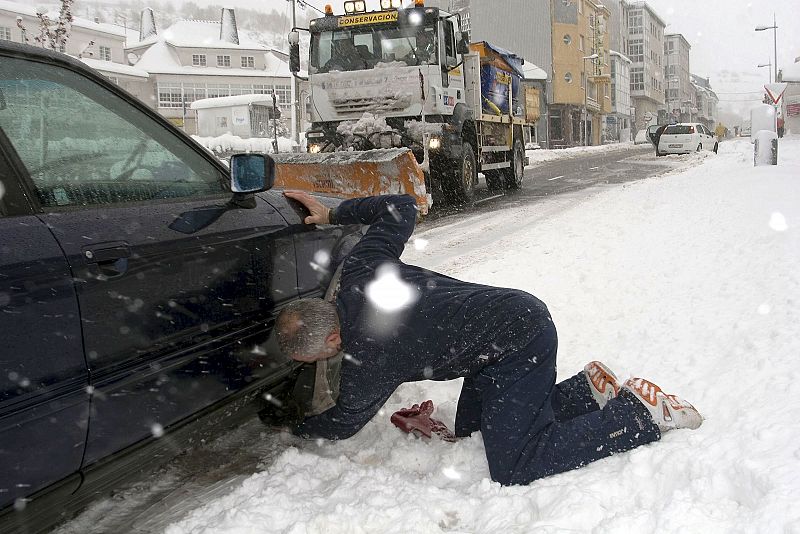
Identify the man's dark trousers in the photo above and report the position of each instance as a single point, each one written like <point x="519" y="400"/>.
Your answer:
<point x="533" y="427"/>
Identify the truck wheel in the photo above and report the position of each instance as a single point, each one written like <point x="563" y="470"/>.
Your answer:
<point x="514" y="174"/>
<point x="494" y="180"/>
<point x="466" y="175"/>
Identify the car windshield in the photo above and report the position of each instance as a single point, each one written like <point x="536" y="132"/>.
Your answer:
<point x="363" y="48"/>
<point x="679" y="129"/>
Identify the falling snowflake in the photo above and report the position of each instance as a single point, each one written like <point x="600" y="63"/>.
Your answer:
<point x="778" y="222"/>
<point x="387" y="292"/>
<point x="451" y="473"/>
<point x="157" y="430"/>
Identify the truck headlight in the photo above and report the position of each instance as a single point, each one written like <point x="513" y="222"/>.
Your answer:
<point x="314" y="148"/>
<point x="435" y="143"/>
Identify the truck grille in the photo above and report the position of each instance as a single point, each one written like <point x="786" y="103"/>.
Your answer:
<point x="372" y="104"/>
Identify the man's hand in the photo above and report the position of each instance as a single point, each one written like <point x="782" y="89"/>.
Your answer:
<point x="320" y="214"/>
<point x="417" y="419"/>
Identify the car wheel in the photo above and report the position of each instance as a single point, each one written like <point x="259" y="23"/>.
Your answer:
<point x="514" y="175"/>
<point x="716" y="147"/>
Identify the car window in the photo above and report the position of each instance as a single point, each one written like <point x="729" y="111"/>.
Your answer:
<point x="84" y="145"/>
<point x="679" y="129"/>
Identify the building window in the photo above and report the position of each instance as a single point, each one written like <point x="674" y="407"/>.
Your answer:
<point x="193" y="91"/>
<point x="169" y="95"/>
<point x="556" y="131"/>
<point x="635" y="23"/>
<point x="567" y="39"/>
<point x="5" y="33"/>
<point x="284" y="94"/>
<point x="198" y="60"/>
<point x="261" y="89"/>
<point x="223" y="61"/>
<point x="248" y="62"/>
<point x="216" y="90"/>
<point x="637" y="79"/>
<point x="581" y="44"/>
<point x="568" y="77"/>
<point x="105" y="53"/>
<point x="636" y="50"/>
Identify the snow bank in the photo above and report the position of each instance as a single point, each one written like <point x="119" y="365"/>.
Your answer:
<point x="538" y="156"/>
<point x="233" y="143"/>
<point x="689" y="279"/>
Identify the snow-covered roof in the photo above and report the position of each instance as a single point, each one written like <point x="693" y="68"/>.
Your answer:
<point x="225" y="101"/>
<point x="791" y="73"/>
<point x="114" y="68"/>
<point x="162" y="58"/>
<point x="533" y="72"/>
<point x="620" y="55"/>
<point x="16" y="7"/>
<point x="77" y="22"/>
<point x="198" y="34"/>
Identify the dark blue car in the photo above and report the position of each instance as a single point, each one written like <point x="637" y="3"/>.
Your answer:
<point x="137" y="292"/>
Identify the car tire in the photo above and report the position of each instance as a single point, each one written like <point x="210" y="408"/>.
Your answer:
<point x="716" y="148"/>
<point x="515" y="174"/>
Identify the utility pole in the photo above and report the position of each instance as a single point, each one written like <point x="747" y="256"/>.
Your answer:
<point x="295" y="94"/>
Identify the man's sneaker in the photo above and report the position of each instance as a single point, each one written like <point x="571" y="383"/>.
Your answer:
<point x="667" y="411"/>
<point x="602" y="382"/>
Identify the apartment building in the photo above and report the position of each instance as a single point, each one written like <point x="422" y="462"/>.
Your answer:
<point x="706" y="101"/>
<point x="617" y="126"/>
<point x="679" y="96"/>
<point x="196" y="59"/>
<point x="581" y="72"/>
<point x="645" y="42"/>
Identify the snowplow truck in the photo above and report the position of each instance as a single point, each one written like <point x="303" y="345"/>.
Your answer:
<point x="407" y="78"/>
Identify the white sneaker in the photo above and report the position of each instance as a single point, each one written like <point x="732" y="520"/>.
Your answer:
<point x="667" y="411"/>
<point x="602" y="382"/>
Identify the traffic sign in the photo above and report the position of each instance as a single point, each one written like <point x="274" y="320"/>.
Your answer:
<point x="775" y="91"/>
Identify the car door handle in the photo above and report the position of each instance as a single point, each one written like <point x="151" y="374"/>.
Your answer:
<point x="111" y="258"/>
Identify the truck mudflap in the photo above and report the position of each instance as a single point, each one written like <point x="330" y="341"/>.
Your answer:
<point x="354" y="174"/>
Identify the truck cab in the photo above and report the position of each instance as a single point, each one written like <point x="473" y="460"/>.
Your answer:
<point x="397" y="65"/>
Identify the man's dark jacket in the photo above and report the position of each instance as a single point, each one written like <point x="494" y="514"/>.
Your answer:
<point x="450" y="328"/>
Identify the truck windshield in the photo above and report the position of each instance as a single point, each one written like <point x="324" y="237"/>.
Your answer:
<point x="363" y="48"/>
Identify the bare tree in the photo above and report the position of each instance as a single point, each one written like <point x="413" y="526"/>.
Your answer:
<point x="53" y="34"/>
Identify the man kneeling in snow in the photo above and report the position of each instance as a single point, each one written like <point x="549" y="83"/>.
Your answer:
<point x="400" y="323"/>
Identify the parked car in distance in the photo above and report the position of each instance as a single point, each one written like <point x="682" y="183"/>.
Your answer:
<point x="684" y="138"/>
<point x="139" y="282"/>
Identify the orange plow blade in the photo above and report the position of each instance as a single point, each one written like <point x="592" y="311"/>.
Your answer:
<point x="390" y="171"/>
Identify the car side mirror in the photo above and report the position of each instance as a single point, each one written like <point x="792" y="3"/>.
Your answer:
<point x="450" y="63"/>
<point x="251" y="173"/>
<point x="463" y="45"/>
<point x="294" y="51"/>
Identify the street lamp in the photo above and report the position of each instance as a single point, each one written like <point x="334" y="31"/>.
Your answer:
<point x="585" y="97"/>
<point x="770" y="69"/>
<point x="774" y="29"/>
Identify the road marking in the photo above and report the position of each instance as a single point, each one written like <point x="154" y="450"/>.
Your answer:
<point x="486" y="199"/>
<point x="593" y="168"/>
<point x="556" y="178"/>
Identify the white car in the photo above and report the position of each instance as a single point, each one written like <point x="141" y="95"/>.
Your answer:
<point x="686" y="137"/>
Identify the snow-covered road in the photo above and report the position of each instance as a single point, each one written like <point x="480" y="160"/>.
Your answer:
<point x="691" y="279"/>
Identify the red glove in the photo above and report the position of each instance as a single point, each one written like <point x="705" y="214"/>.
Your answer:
<point x="418" y="419"/>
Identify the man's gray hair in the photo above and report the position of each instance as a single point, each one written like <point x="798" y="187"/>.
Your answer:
<point x="303" y="325"/>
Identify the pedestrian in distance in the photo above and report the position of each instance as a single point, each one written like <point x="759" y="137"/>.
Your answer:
<point x="501" y="341"/>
